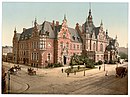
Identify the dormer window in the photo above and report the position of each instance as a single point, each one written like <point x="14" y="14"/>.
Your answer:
<point x="78" y="38"/>
<point x="73" y="37"/>
<point x="64" y="35"/>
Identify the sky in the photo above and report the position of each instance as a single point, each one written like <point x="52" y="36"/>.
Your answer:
<point x="21" y="15"/>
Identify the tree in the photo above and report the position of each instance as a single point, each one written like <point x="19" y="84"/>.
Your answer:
<point x="123" y="55"/>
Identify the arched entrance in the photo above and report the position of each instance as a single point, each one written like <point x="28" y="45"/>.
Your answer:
<point x="64" y="60"/>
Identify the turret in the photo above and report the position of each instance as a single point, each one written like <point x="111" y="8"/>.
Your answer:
<point x="15" y="31"/>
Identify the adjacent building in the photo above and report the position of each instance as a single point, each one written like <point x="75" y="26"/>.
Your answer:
<point x="52" y="42"/>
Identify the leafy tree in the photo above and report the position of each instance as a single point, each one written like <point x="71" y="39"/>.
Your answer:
<point x="123" y="55"/>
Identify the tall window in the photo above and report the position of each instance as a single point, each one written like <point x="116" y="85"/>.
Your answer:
<point x="101" y="47"/>
<point x="77" y="46"/>
<point x="64" y="35"/>
<point x="67" y="45"/>
<point x="94" y="46"/>
<point x="49" y="57"/>
<point x="70" y="46"/>
<point x="61" y="44"/>
<point x="74" y="46"/>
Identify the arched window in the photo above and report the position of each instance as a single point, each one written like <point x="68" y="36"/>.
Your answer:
<point x="61" y="44"/>
<point x="93" y="46"/>
<point x="67" y="45"/>
<point x="49" y="57"/>
<point x="64" y="35"/>
<point x="101" y="47"/>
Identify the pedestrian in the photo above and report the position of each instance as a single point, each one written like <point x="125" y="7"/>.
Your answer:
<point x="62" y="70"/>
<point x="67" y="74"/>
<point x="99" y="67"/>
<point x="75" y="72"/>
<point x="106" y="73"/>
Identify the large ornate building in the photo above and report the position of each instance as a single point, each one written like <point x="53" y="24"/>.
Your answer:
<point x="52" y="42"/>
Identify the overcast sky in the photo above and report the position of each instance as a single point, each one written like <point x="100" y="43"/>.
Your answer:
<point x="21" y="15"/>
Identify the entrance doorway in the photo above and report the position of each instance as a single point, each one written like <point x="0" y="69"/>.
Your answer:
<point x="24" y="60"/>
<point x="64" y="60"/>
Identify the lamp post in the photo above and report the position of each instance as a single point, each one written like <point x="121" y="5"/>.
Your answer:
<point x="8" y="82"/>
<point x="84" y="69"/>
<point x="104" y="66"/>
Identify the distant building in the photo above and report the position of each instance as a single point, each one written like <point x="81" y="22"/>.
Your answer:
<point x="6" y="50"/>
<point x="52" y="42"/>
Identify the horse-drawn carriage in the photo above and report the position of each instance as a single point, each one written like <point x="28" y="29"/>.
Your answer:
<point x="31" y="71"/>
<point x="14" y="70"/>
<point x="121" y="71"/>
<point x="17" y="67"/>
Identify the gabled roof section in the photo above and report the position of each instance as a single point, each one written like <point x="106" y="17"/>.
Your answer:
<point x="26" y="34"/>
<point x="75" y="37"/>
<point x="18" y="35"/>
<point x="96" y="31"/>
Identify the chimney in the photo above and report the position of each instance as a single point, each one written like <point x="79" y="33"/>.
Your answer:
<point x="24" y="29"/>
<point x="77" y="26"/>
<point x="53" y="24"/>
<point x="57" y="23"/>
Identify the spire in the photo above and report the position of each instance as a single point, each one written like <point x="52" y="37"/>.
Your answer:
<point x="116" y="37"/>
<point x="89" y="8"/>
<point x="90" y="16"/>
<point x="15" y="30"/>
<point x="101" y="23"/>
<point x="35" y="23"/>
<point x="65" y="17"/>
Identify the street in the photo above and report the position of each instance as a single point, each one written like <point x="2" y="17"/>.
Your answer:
<point x="53" y="81"/>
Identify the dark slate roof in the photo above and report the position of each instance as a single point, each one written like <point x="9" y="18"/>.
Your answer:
<point x="80" y="28"/>
<point x="26" y="34"/>
<point x="111" y="45"/>
<point x="46" y="27"/>
<point x="96" y="31"/>
<point x="18" y="35"/>
<point x="75" y="37"/>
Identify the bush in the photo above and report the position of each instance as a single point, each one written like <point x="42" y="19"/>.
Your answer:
<point x="50" y="65"/>
<point x="100" y="62"/>
<point x="112" y="62"/>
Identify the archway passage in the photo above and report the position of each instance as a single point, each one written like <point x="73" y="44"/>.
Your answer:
<point x="24" y="60"/>
<point x="64" y="60"/>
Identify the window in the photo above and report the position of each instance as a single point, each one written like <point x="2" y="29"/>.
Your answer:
<point x="97" y="57"/>
<point x="77" y="46"/>
<point x="70" y="46"/>
<point x="101" y="47"/>
<point x="93" y="46"/>
<point x="37" y="56"/>
<point x="49" y="57"/>
<point x="73" y="46"/>
<point x="61" y="44"/>
<point x="67" y="45"/>
<point x="64" y="35"/>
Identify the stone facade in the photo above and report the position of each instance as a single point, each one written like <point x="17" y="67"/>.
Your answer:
<point x="52" y="42"/>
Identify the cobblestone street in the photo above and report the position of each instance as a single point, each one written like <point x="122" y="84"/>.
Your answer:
<point x="53" y="81"/>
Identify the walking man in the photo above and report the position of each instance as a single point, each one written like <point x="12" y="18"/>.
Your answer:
<point x="62" y="70"/>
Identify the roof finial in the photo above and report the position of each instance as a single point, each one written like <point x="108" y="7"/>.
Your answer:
<point x="116" y="37"/>
<point x="101" y="23"/>
<point x="89" y="5"/>
<point x="35" y="23"/>
<point x="65" y="17"/>
<point x="15" y="30"/>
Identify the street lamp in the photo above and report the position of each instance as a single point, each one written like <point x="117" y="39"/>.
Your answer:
<point x="8" y="81"/>
<point x="84" y="69"/>
<point x="104" y="66"/>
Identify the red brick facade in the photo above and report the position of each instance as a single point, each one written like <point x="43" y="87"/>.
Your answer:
<point x="55" y="43"/>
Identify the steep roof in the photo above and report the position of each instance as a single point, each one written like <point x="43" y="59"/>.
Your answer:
<point x="18" y="35"/>
<point x="47" y="27"/>
<point x="75" y="37"/>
